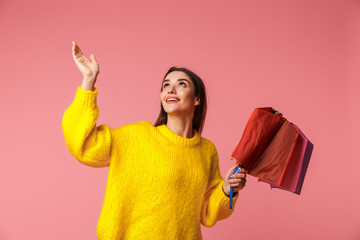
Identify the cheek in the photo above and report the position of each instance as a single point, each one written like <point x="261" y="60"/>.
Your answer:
<point x="187" y="96"/>
<point x="161" y="96"/>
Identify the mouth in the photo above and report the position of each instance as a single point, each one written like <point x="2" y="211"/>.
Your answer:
<point x="172" y="99"/>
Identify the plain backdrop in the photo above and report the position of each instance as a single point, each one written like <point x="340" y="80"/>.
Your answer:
<point x="300" y="57"/>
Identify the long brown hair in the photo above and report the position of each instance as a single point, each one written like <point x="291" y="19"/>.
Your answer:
<point x="199" y="91"/>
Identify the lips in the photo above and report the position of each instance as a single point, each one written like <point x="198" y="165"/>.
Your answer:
<point x="172" y="99"/>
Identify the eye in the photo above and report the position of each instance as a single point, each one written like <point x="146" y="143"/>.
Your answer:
<point x="166" y="84"/>
<point x="184" y="84"/>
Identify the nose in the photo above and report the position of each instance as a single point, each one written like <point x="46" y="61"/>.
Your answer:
<point x="172" y="89"/>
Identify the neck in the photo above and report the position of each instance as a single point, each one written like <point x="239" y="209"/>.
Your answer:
<point x="180" y="125"/>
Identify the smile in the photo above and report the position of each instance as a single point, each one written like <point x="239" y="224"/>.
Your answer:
<point x="172" y="99"/>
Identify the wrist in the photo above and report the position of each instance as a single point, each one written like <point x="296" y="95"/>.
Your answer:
<point x="88" y="83"/>
<point x="225" y="192"/>
<point x="228" y="194"/>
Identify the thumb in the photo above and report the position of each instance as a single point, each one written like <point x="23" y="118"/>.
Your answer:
<point x="93" y="59"/>
<point x="231" y="170"/>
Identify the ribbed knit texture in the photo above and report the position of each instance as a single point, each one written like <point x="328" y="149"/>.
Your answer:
<point x="160" y="185"/>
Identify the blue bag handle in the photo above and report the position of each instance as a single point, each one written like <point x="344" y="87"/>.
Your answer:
<point x="237" y="170"/>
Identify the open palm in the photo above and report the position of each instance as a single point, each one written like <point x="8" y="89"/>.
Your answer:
<point x="88" y="67"/>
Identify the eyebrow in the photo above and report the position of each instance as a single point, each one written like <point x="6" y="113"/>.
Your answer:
<point x="180" y="79"/>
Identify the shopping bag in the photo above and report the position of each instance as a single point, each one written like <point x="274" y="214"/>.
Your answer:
<point x="295" y="172"/>
<point x="259" y="131"/>
<point x="274" y="150"/>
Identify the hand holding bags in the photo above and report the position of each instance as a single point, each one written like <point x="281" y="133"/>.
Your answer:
<point x="274" y="150"/>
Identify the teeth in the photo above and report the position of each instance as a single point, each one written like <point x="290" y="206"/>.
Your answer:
<point x="172" y="99"/>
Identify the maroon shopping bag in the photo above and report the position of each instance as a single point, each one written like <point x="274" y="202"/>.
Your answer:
<point x="274" y="150"/>
<point x="294" y="174"/>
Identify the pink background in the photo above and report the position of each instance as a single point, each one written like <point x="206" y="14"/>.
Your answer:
<point x="300" y="57"/>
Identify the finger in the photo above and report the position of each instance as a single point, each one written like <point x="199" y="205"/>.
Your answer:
<point x="93" y="59"/>
<point x="73" y="48"/>
<point x="237" y="189"/>
<point x="234" y="166"/>
<point x="238" y="175"/>
<point x="237" y="181"/>
<point x="81" y="59"/>
<point x="243" y="170"/>
<point x="78" y="51"/>
<point x="231" y="170"/>
<point x="239" y="186"/>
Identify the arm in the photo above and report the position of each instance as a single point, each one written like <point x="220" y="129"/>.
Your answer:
<point x="215" y="206"/>
<point x="88" y="143"/>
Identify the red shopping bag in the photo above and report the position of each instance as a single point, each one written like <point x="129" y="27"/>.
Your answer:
<point x="274" y="150"/>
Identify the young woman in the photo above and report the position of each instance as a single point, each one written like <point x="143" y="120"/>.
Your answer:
<point x="164" y="179"/>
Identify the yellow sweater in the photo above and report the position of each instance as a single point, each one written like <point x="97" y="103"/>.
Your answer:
<point x="160" y="185"/>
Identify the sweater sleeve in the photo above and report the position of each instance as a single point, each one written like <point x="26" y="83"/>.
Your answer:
<point x="88" y="143"/>
<point x="215" y="206"/>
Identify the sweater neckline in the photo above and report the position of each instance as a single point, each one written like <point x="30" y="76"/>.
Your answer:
<point x="179" y="139"/>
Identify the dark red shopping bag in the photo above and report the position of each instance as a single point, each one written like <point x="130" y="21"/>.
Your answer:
<point x="274" y="150"/>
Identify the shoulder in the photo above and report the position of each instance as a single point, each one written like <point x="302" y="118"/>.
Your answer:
<point x="136" y="127"/>
<point x="209" y="145"/>
<point x="211" y="153"/>
<point x="142" y="124"/>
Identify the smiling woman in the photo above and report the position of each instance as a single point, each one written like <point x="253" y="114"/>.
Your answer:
<point x="164" y="179"/>
<point x="189" y="89"/>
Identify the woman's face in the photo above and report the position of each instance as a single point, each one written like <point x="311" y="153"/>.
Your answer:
<point x="177" y="95"/>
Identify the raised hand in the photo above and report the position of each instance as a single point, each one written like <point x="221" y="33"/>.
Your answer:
<point x="89" y="68"/>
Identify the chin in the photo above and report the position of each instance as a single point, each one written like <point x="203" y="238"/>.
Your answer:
<point x="176" y="110"/>
<point x="171" y="111"/>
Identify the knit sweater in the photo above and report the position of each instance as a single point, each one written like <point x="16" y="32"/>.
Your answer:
<point x="160" y="185"/>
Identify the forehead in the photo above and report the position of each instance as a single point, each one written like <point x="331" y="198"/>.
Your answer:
<point x="175" y="75"/>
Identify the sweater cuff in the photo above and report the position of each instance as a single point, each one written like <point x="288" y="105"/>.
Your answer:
<point x="224" y="199"/>
<point x="85" y="98"/>
<point x="234" y="194"/>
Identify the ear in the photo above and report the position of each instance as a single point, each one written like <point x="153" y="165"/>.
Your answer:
<point x="197" y="100"/>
